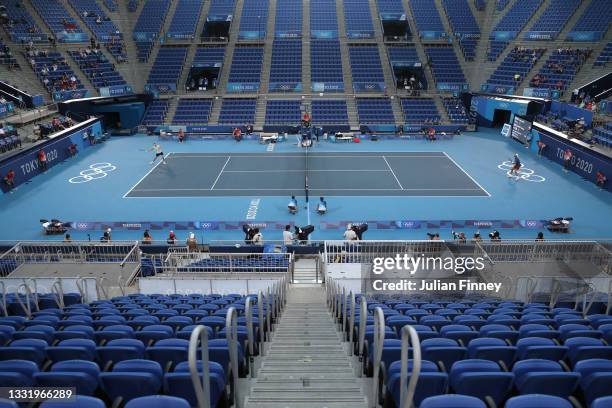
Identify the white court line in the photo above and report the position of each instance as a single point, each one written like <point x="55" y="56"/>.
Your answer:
<point x="310" y="155"/>
<point x="392" y="172"/>
<point x="221" y="172"/>
<point x="467" y="174"/>
<point x="145" y="176"/>
<point x="300" y="171"/>
<point x="315" y="189"/>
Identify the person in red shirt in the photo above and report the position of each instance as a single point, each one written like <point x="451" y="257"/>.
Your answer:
<point x="600" y="179"/>
<point x="42" y="159"/>
<point x="306" y="119"/>
<point x="237" y="134"/>
<point x="9" y="180"/>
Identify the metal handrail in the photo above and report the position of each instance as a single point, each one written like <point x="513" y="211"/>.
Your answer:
<point x="249" y="324"/>
<point x="407" y="393"/>
<point x="121" y="284"/>
<point x="555" y="291"/>
<point x="3" y="286"/>
<point x="351" y="324"/>
<point x="26" y="307"/>
<point x="200" y="386"/>
<point x="34" y="293"/>
<point x="609" y="306"/>
<point x="363" y="316"/>
<point x="100" y="288"/>
<point x="262" y="323"/>
<point x="344" y="306"/>
<point x="269" y="314"/>
<point x="58" y="291"/>
<point x="231" y="333"/>
<point x="80" y="284"/>
<point x="379" y="339"/>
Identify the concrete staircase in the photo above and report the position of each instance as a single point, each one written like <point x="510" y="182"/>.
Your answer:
<point x="306" y="81"/>
<point x="233" y="39"/>
<point x="344" y="55"/>
<point x="260" y="112"/>
<point x="168" y="19"/>
<point x="172" y="105"/>
<point x="382" y="51"/>
<point x="125" y="23"/>
<point x="215" y="111"/>
<point x="306" y="364"/>
<point x="305" y="271"/>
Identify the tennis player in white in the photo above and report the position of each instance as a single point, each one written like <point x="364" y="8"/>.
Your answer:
<point x="158" y="153"/>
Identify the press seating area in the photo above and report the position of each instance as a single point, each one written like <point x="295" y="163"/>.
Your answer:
<point x="238" y="111"/>
<point x="519" y="61"/>
<point x="365" y="66"/>
<point x="192" y="111"/>
<point x="246" y="65"/>
<point x="489" y="351"/>
<point x="325" y="66"/>
<point x="98" y="69"/>
<point x="456" y="111"/>
<point x="156" y="112"/>
<point x="329" y="112"/>
<point x="21" y="22"/>
<point x="357" y="18"/>
<point x="286" y="65"/>
<point x="6" y="56"/>
<point x="167" y="68"/>
<point x="269" y="263"/>
<point x="603" y="135"/>
<point x="445" y="66"/>
<point x="57" y="18"/>
<point x="464" y="26"/>
<point x="604" y="57"/>
<point x="374" y="111"/>
<point x="596" y="18"/>
<point x="55" y="77"/>
<point x="420" y="111"/>
<point x="283" y="112"/>
<point x="288" y="20"/>
<point x="121" y="349"/>
<point x="185" y="19"/>
<point x="323" y="20"/>
<point x="426" y="16"/>
<point x="556" y="15"/>
<point x="254" y="18"/>
<point x="560" y="68"/>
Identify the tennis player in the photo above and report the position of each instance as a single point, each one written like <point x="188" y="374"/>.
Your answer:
<point x="516" y="166"/>
<point x="158" y="153"/>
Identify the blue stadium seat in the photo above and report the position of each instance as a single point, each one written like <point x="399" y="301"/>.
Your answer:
<point x="158" y="401"/>
<point x="453" y="400"/>
<point x="537" y="400"/>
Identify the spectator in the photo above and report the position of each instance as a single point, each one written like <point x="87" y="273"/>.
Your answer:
<point x="322" y="206"/>
<point x="181" y="135"/>
<point x="237" y="134"/>
<point x="9" y="180"/>
<point x="67" y="238"/>
<point x="540" y="237"/>
<point x="257" y="237"/>
<point x="600" y="179"/>
<point x="72" y="149"/>
<point x="146" y="237"/>
<point x="541" y="147"/>
<point x="42" y="159"/>
<point x="567" y="160"/>
<point x="292" y="206"/>
<point x="350" y="234"/>
<point x="171" y="238"/>
<point x="287" y="235"/>
<point x="105" y="237"/>
<point x="192" y="243"/>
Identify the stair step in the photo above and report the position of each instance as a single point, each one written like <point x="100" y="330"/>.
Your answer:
<point x="311" y="395"/>
<point x="361" y="403"/>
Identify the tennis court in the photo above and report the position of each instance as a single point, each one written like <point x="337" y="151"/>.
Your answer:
<point x="399" y="174"/>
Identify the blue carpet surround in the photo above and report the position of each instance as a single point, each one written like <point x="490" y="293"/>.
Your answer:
<point x="129" y="194"/>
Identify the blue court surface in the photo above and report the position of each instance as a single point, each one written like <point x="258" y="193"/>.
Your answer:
<point x="400" y="187"/>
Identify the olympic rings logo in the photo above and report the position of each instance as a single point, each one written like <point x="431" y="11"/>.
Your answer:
<point x="523" y="173"/>
<point x="94" y="172"/>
